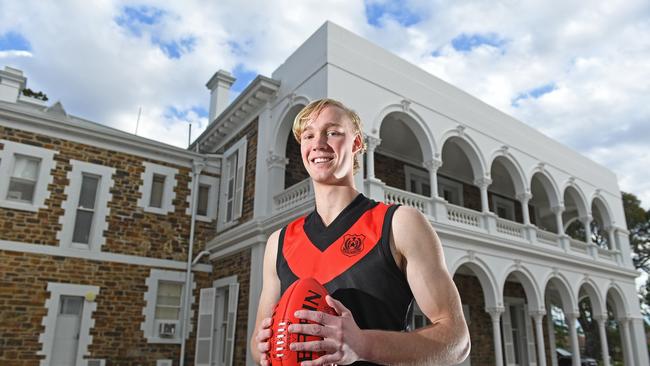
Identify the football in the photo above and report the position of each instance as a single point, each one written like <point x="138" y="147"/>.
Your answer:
<point x="307" y="294"/>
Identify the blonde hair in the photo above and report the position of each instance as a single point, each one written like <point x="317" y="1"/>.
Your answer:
<point x="311" y="112"/>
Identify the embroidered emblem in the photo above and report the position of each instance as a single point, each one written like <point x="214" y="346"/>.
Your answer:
<point x="352" y="244"/>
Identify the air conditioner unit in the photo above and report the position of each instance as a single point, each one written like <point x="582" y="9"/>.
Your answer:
<point x="167" y="329"/>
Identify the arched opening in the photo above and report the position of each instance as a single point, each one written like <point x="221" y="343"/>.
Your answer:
<point x="399" y="157"/>
<point x="613" y="329"/>
<point x="542" y="202"/>
<point x="475" y="289"/>
<point x="600" y="224"/>
<point x="506" y="184"/>
<point x="588" y="334"/>
<point x="460" y="167"/>
<point x="574" y="212"/>
<point x="294" y="171"/>
<point x="556" y="331"/>
<point x="518" y="328"/>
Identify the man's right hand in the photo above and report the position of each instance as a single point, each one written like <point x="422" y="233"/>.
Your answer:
<point x="262" y="338"/>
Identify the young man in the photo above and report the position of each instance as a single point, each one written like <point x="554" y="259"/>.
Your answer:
<point x="372" y="258"/>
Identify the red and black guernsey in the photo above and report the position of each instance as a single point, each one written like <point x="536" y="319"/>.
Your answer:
<point x="352" y="258"/>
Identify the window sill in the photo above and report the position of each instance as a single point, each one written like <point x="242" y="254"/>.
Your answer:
<point x="157" y="211"/>
<point x="15" y="205"/>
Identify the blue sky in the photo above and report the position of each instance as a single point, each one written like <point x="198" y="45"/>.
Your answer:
<point x="572" y="71"/>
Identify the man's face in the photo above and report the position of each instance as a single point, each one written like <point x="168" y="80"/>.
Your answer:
<point x="328" y="144"/>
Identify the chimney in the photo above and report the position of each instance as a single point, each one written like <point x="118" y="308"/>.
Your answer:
<point x="12" y="82"/>
<point x="219" y="86"/>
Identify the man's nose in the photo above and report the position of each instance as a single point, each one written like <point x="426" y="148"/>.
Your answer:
<point x="320" y="141"/>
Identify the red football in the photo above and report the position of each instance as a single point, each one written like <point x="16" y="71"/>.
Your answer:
<point x="305" y="293"/>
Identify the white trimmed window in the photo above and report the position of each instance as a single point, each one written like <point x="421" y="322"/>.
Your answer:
<point x="215" y="336"/>
<point x="25" y="172"/>
<point x="451" y="191"/>
<point x="164" y="306"/>
<point x="86" y="207"/>
<point x="417" y="181"/>
<point x="68" y="323"/>
<point x="157" y="190"/>
<point x="206" y="203"/>
<point x="504" y="208"/>
<point x="232" y="185"/>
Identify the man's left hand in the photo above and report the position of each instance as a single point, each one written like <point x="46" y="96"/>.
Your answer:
<point x="343" y="341"/>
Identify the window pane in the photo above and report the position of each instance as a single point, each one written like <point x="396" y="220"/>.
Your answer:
<point x="71" y="305"/>
<point x="88" y="191"/>
<point x="82" y="225"/>
<point x="164" y="313"/>
<point x="426" y="190"/>
<point x="202" y="202"/>
<point x="169" y="293"/>
<point x="26" y="168"/>
<point x="21" y="190"/>
<point x="157" y="188"/>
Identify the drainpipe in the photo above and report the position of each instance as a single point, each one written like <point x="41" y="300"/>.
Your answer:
<point x="197" y="167"/>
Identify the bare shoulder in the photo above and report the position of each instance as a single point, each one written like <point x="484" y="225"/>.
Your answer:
<point x="412" y="231"/>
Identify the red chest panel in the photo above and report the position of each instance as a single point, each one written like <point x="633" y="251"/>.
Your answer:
<point x="306" y="260"/>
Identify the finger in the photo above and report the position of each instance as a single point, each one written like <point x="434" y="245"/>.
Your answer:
<point x="316" y="316"/>
<point x="314" y="346"/>
<point x="337" y="305"/>
<point x="263" y="347"/>
<point x="264" y="360"/>
<point x="311" y="329"/>
<point x="266" y="322"/>
<point x="328" y="359"/>
<point x="263" y="335"/>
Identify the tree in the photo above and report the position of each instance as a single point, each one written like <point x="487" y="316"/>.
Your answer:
<point x="638" y="223"/>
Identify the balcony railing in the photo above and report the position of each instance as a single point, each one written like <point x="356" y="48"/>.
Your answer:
<point x="394" y="195"/>
<point x="510" y="228"/>
<point x="443" y="212"/>
<point x="294" y="195"/>
<point x="462" y="215"/>
<point x="547" y="237"/>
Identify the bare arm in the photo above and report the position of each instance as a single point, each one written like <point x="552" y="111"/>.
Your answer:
<point x="446" y="340"/>
<point x="268" y="298"/>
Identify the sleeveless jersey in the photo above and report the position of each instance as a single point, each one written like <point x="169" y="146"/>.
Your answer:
<point x="352" y="258"/>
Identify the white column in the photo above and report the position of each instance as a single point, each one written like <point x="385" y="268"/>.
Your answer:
<point x="602" y="321"/>
<point x="551" y="336"/>
<point x="575" y="347"/>
<point x="432" y="166"/>
<point x="539" y="333"/>
<point x="627" y="340"/>
<point x="524" y="198"/>
<point x="611" y="239"/>
<point x="586" y="222"/>
<point x="372" y="143"/>
<point x="495" y="313"/>
<point x="558" y="210"/>
<point x="483" y="184"/>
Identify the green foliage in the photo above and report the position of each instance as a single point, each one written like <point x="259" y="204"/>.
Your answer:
<point x="37" y="95"/>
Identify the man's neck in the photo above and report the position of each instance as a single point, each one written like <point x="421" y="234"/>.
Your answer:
<point x="331" y="200"/>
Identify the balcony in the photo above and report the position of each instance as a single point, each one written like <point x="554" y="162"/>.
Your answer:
<point x="441" y="212"/>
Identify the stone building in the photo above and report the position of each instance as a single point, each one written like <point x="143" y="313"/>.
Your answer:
<point x="532" y="231"/>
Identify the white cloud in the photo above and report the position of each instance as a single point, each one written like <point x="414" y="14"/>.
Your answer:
<point x="595" y="57"/>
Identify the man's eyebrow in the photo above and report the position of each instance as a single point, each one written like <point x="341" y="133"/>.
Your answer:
<point x="327" y="124"/>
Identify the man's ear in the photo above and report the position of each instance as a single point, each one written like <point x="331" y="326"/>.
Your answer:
<point x="357" y="145"/>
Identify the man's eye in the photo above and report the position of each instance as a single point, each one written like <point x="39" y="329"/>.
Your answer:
<point x="307" y="137"/>
<point x="334" y="133"/>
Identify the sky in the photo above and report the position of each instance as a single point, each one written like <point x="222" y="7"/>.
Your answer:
<point x="577" y="72"/>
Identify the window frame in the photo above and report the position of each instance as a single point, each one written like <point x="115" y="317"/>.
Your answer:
<point x="70" y="205"/>
<point x="150" y="324"/>
<point x="420" y="177"/>
<point x="239" y="148"/>
<point x="505" y="203"/>
<point x="444" y="182"/>
<point x="168" y="195"/>
<point x="44" y="176"/>
<point x="213" y="194"/>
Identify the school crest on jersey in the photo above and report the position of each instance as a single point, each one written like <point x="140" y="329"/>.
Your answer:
<point x="352" y="244"/>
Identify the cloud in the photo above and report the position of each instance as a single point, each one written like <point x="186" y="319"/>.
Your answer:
<point x="572" y="71"/>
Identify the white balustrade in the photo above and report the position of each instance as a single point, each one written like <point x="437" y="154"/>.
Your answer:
<point x="510" y="228"/>
<point x="294" y="195"/>
<point x="394" y="195"/>
<point x="606" y="254"/>
<point x="463" y="215"/>
<point x="547" y="237"/>
<point x="579" y="246"/>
